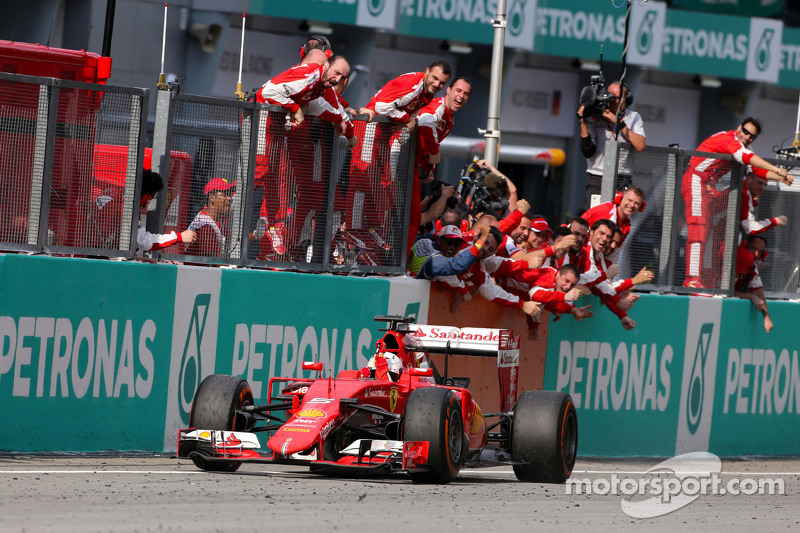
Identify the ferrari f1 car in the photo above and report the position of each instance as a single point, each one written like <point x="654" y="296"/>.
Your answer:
<point x="397" y="414"/>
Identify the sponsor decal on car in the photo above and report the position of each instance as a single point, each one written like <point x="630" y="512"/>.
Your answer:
<point x="376" y="393"/>
<point x="393" y="393"/>
<point x="327" y="428"/>
<point x="311" y="413"/>
<point x="297" y="430"/>
<point x="321" y="400"/>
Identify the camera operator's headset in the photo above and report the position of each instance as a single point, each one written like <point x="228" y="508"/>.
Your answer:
<point x="326" y="46"/>
<point x="620" y="193"/>
<point x="627" y="91"/>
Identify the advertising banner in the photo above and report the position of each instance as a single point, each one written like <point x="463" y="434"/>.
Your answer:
<point x="732" y="47"/>
<point x="746" y="8"/>
<point x="365" y="13"/>
<point x="83" y="353"/>
<point x="688" y="378"/>
<point x="104" y="355"/>
<point x="468" y="20"/>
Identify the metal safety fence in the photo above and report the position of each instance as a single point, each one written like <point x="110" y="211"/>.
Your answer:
<point x="260" y="193"/>
<point x="69" y="158"/>
<point x="693" y="250"/>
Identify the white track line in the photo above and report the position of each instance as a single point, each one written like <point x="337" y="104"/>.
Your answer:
<point x="469" y="472"/>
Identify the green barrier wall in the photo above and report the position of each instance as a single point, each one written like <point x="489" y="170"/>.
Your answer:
<point x="696" y="374"/>
<point x="104" y="355"/>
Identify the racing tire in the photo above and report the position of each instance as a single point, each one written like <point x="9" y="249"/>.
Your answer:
<point x="433" y="414"/>
<point x="214" y="407"/>
<point x="544" y="437"/>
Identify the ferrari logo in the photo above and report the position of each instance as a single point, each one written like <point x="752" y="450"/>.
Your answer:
<point x="392" y="399"/>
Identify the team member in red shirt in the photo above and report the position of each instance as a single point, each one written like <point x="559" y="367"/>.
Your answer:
<point x="557" y="290"/>
<point x="210" y="224"/>
<point x="748" y="281"/>
<point x="372" y="190"/>
<point x="293" y="90"/>
<point x="401" y="97"/>
<point x="434" y="123"/>
<point x="152" y="183"/>
<point x="699" y="191"/>
<point x="753" y="187"/>
<point x="619" y="211"/>
<point x="593" y="273"/>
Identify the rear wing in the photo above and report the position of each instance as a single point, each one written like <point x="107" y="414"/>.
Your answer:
<point x="477" y="342"/>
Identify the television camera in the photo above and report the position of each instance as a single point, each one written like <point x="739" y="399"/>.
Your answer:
<point x="481" y="191"/>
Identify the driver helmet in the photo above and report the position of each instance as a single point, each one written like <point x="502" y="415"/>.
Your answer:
<point x="385" y="365"/>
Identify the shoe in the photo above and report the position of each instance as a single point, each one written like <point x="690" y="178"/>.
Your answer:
<point x="276" y="236"/>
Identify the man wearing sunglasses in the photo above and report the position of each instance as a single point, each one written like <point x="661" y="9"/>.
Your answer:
<point x="703" y="200"/>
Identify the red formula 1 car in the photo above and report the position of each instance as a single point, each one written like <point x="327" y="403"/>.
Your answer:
<point x="396" y="414"/>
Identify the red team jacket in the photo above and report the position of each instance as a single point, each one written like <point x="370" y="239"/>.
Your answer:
<point x="400" y="97"/>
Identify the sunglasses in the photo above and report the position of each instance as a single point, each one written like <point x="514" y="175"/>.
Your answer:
<point x="750" y="133"/>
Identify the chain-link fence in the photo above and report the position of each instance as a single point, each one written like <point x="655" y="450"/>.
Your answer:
<point x="689" y="229"/>
<point x="69" y="158"/>
<point x="260" y="193"/>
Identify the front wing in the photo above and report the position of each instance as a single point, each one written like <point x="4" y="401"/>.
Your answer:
<point x="364" y="455"/>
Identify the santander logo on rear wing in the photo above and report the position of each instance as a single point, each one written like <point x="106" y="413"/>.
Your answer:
<point x="485" y="342"/>
<point x="480" y="342"/>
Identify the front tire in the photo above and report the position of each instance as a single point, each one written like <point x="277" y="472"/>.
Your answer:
<point x="214" y="407"/>
<point x="544" y="437"/>
<point x="433" y="414"/>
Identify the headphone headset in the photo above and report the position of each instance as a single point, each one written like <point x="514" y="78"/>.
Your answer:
<point x="627" y="92"/>
<point x="618" y="199"/>
<point x="326" y="46"/>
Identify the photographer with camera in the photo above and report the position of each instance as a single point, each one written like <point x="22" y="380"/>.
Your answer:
<point x="599" y="116"/>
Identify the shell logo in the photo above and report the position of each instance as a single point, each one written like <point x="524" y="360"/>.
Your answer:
<point x="311" y="413"/>
<point x="205" y="435"/>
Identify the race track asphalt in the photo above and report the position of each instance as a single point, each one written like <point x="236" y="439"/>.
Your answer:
<point x="160" y="493"/>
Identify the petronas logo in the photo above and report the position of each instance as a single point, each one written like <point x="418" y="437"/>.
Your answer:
<point x="763" y="55"/>
<point x="644" y="37"/>
<point x="375" y="7"/>
<point x="697" y="381"/>
<point x="516" y="18"/>
<point x="189" y="377"/>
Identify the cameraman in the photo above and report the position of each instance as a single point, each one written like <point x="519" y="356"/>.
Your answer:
<point x="596" y="130"/>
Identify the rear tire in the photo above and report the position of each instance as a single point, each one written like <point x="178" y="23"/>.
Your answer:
<point x="214" y="407"/>
<point x="433" y="414"/>
<point x="544" y="437"/>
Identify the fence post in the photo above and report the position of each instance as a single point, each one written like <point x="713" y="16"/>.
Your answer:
<point x="669" y="225"/>
<point x="42" y="171"/>
<point x="162" y="135"/>
<point x="331" y="226"/>
<point x="133" y="173"/>
<point x="728" y="279"/>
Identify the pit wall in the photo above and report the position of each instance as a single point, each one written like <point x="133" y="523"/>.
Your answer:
<point x="106" y="355"/>
<point x="696" y="374"/>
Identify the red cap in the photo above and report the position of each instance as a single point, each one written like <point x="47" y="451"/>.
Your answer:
<point x="540" y="225"/>
<point x="218" y="184"/>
